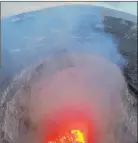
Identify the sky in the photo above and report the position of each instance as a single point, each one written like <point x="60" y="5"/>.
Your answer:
<point x="13" y="8"/>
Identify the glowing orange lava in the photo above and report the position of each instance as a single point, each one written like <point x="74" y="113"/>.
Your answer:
<point x="74" y="136"/>
<point x="70" y="127"/>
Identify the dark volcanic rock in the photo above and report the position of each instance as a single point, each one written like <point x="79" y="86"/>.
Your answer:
<point x="126" y="32"/>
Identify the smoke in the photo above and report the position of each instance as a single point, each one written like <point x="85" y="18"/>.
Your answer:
<point x="81" y="72"/>
<point x="82" y="28"/>
<point x="92" y="83"/>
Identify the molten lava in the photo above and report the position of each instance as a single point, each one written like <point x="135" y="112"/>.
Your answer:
<point x="70" y="137"/>
<point x="70" y="127"/>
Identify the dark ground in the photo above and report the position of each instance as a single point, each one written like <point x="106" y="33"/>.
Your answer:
<point x="127" y="34"/>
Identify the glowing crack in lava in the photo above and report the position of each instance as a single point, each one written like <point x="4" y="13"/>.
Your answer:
<point x="79" y="137"/>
